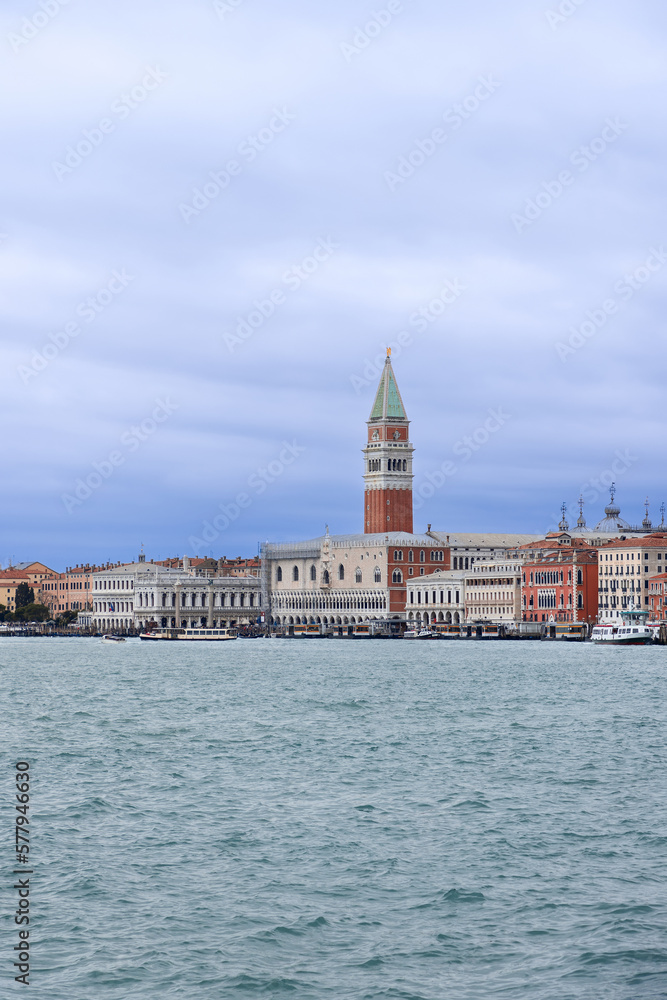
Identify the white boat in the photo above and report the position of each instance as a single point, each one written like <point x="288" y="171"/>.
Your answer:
<point x="425" y="633"/>
<point x="411" y="633"/>
<point x="632" y="631"/>
<point x="189" y="635"/>
<point x="113" y="638"/>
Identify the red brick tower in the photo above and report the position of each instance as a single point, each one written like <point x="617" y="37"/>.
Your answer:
<point x="388" y="458"/>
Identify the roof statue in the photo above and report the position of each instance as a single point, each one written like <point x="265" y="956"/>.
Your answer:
<point x="646" y="523"/>
<point x="581" y="523"/>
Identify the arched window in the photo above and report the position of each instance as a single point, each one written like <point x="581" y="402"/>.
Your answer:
<point x="313" y="573"/>
<point x="411" y="556"/>
<point x="357" y="575"/>
<point x="466" y="566"/>
<point x="279" y="574"/>
<point x="580" y="577"/>
<point x="295" y="573"/>
<point x="341" y="572"/>
<point x="580" y="600"/>
<point x="397" y="576"/>
<point x="326" y="576"/>
<point x="422" y="556"/>
<point x="405" y="465"/>
<point x="378" y="575"/>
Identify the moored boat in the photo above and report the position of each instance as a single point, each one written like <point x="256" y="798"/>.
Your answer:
<point x="189" y="634"/>
<point x="632" y="631"/>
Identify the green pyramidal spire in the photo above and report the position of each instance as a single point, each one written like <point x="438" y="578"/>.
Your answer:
<point x="388" y="403"/>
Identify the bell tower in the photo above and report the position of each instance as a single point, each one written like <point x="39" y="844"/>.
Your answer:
<point x="388" y="461"/>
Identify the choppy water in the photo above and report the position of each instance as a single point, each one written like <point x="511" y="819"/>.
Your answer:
<point x="332" y="819"/>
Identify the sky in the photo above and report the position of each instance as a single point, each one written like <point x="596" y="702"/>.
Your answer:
<point x="217" y="216"/>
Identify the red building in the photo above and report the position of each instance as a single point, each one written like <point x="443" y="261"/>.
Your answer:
<point x="658" y="598"/>
<point x="559" y="580"/>
<point x="388" y="461"/>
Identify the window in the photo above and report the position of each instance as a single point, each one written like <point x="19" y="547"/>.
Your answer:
<point x="422" y="556"/>
<point x="341" y="572"/>
<point x="580" y="576"/>
<point x="326" y="577"/>
<point x="398" y="555"/>
<point x="295" y="573"/>
<point x="313" y="573"/>
<point x="279" y="574"/>
<point x="397" y="576"/>
<point x="411" y="556"/>
<point x="377" y="575"/>
<point x="357" y="575"/>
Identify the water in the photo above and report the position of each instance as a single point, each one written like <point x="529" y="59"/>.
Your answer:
<point x="333" y="819"/>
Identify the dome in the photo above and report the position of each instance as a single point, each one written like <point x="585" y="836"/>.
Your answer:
<point x="612" y="521"/>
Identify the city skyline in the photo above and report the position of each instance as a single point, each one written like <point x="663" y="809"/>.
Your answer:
<point x="222" y="216"/>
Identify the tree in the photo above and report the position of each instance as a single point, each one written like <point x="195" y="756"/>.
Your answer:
<point x="33" y="613"/>
<point x="24" y="595"/>
<point x="66" y="618"/>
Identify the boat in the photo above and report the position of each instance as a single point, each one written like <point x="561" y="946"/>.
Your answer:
<point x="362" y="632"/>
<point x="411" y="633"/>
<point x="490" y="632"/>
<point x="189" y="635"/>
<point x="447" y="632"/>
<point x="113" y="638"/>
<point x="425" y="633"/>
<point x="633" y="630"/>
<point x="567" y="632"/>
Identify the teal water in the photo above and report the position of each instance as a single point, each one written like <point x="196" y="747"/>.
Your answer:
<point x="332" y="819"/>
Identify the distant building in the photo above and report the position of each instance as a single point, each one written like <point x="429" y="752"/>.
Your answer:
<point x="657" y="596"/>
<point x="493" y="592"/>
<point x="559" y="580"/>
<point x="440" y="597"/>
<point x="10" y="579"/>
<point x="68" y="591"/>
<point x="139" y="594"/>
<point x="467" y="549"/>
<point x="627" y="566"/>
<point x="388" y="461"/>
<point x="344" y="579"/>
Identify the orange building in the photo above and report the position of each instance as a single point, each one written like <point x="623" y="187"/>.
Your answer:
<point x="559" y="580"/>
<point x="69" y="591"/>
<point x="9" y="581"/>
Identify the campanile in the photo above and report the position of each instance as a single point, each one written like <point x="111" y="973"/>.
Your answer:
<point x="388" y="461"/>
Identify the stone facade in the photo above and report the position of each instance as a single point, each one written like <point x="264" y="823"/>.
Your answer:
<point x="345" y="579"/>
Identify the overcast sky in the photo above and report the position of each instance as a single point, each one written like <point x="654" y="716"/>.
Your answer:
<point x="217" y="215"/>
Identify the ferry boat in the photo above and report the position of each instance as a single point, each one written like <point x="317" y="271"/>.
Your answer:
<point x="567" y="632"/>
<point x="633" y="630"/>
<point x="362" y="632"/>
<point x="447" y="632"/>
<point x="189" y="634"/>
